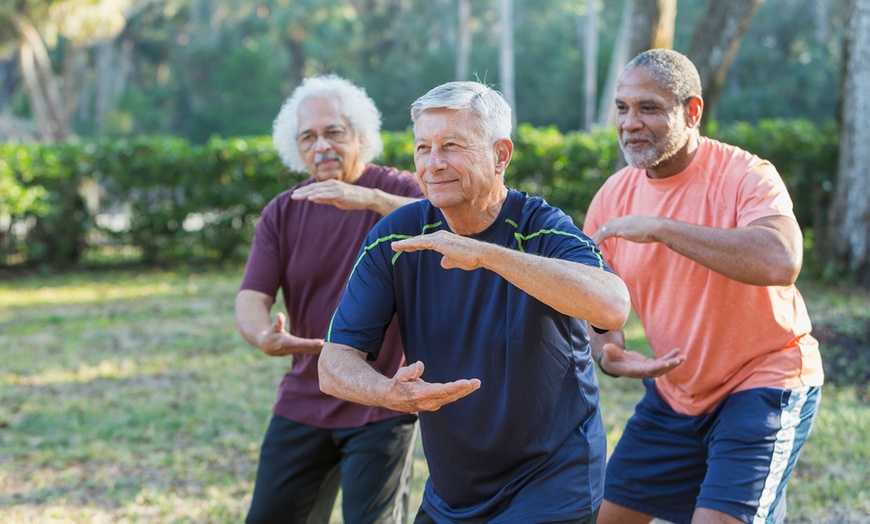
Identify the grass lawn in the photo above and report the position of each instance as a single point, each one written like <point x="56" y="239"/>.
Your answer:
<point x="128" y="396"/>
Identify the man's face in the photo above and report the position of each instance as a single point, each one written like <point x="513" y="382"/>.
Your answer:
<point x="651" y="124"/>
<point x="329" y="147"/>
<point x="455" y="165"/>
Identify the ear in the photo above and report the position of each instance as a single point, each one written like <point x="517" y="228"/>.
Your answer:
<point x="694" y="111"/>
<point x="504" y="149"/>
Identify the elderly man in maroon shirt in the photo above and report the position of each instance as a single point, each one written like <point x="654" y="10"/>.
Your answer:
<point x="305" y="245"/>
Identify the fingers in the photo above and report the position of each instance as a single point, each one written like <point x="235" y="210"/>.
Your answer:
<point x="671" y="354"/>
<point x="414" y="394"/>
<point x="290" y="345"/>
<point x="280" y="323"/>
<point x="610" y="347"/>
<point x="412" y="244"/>
<point x="410" y="372"/>
<point x="604" y="232"/>
<point x="333" y="192"/>
<point x="438" y="395"/>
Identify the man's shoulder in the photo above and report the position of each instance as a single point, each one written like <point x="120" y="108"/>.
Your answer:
<point x="388" y="172"/>
<point x="412" y="215"/>
<point x="280" y="201"/>
<point x="391" y="180"/>
<point x="715" y="150"/>
<point x="623" y="178"/>
<point x="532" y="204"/>
<point x="534" y="215"/>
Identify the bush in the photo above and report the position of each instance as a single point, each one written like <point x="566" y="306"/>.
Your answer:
<point x="174" y="201"/>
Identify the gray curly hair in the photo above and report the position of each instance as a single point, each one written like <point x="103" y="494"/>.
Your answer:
<point x="671" y="69"/>
<point x="356" y="106"/>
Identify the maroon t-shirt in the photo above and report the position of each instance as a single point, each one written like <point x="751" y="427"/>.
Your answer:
<point x="308" y="251"/>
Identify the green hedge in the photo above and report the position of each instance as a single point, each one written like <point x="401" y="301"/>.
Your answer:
<point x="53" y="196"/>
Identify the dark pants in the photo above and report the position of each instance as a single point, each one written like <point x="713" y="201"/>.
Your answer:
<point x="301" y="466"/>
<point x="424" y="518"/>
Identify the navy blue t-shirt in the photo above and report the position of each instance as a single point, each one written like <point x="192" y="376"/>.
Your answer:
<point x="529" y="443"/>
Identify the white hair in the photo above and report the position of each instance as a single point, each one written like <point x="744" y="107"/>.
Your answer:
<point x="356" y="106"/>
<point x="489" y="108"/>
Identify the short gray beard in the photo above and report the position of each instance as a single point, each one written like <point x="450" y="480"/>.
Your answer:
<point x="660" y="150"/>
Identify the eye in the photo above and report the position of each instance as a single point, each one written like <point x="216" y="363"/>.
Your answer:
<point x="422" y="148"/>
<point x="337" y="133"/>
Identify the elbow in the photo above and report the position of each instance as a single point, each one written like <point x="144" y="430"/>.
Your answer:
<point x="783" y="277"/>
<point x="324" y="376"/>
<point x="619" y="313"/>
<point x="786" y="272"/>
<point x="326" y="387"/>
<point x="618" y="307"/>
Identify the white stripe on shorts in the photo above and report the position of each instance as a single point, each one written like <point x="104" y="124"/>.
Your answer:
<point x="782" y="450"/>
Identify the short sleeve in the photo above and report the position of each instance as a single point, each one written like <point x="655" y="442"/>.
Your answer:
<point x="263" y="269"/>
<point x="762" y="193"/>
<point x="368" y="303"/>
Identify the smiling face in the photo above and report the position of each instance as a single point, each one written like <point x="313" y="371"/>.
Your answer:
<point x="654" y="129"/>
<point x="458" y="169"/>
<point x="328" y="144"/>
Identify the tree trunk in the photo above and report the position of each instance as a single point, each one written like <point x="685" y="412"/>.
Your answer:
<point x="42" y="89"/>
<point x="463" y="50"/>
<point x="606" y="106"/>
<point x="34" y="93"/>
<point x="104" y="67"/>
<point x="298" y="60"/>
<point x="651" y="25"/>
<point x="506" y="55"/>
<point x="850" y="211"/>
<point x="590" y="51"/>
<point x="714" y="44"/>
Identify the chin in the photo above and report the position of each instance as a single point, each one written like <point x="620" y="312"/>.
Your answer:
<point x="443" y="201"/>
<point x="322" y="176"/>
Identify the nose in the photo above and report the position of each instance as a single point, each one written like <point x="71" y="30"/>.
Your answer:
<point x="436" y="160"/>
<point x="629" y="120"/>
<point x="321" y="143"/>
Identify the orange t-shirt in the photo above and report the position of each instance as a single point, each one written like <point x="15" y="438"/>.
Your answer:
<point x="735" y="336"/>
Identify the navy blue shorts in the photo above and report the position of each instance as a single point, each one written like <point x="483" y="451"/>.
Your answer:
<point x="736" y="459"/>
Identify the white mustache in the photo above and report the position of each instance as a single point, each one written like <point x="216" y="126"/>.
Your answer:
<point x="329" y="155"/>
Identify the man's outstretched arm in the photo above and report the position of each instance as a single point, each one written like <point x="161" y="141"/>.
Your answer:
<point x="574" y="289"/>
<point x="344" y="373"/>
<point x="350" y="196"/>
<point x="608" y="349"/>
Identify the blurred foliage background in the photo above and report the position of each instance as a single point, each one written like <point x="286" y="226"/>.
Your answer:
<point x="199" y="68"/>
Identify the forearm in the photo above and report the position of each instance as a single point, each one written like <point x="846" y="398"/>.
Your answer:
<point x="577" y="290"/>
<point x="385" y="203"/>
<point x="344" y="373"/>
<point x="252" y="316"/>
<point x="768" y="252"/>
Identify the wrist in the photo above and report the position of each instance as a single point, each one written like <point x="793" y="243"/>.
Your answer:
<point x="376" y="202"/>
<point x="600" y="357"/>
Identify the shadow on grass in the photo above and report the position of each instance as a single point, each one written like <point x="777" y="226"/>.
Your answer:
<point x="845" y="347"/>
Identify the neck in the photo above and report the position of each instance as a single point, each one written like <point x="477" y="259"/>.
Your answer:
<point x="356" y="173"/>
<point x="679" y="161"/>
<point x="472" y="218"/>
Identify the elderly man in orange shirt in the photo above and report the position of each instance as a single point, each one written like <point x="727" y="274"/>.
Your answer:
<point x="704" y="236"/>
